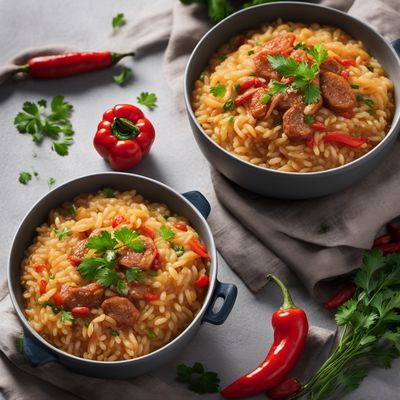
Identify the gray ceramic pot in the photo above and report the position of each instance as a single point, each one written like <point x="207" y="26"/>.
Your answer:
<point x="286" y="184"/>
<point x="192" y="205"/>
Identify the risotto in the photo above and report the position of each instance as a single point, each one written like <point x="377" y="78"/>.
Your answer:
<point x="296" y="98"/>
<point x="112" y="276"/>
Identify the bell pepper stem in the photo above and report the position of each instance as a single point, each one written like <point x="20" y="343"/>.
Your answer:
<point x="115" y="57"/>
<point x="287" y="299"/>
<point x="124" y="129"/>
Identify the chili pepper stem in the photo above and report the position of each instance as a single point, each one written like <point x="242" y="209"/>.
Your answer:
<point x="22" y="68"/>
<point x="287" y="299"/>
<point x="115" y="57"/>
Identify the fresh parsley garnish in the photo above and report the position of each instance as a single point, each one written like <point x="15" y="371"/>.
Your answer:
<point x="236" y="87"/>
<point x="250" y="52"/>
<point x="38" y="122"/>
<point x="72" y="211"/>
<point x="301" y="46"/>
<point x="369" y="102"/>
<point x="229" y="105"/>
<point x="114" y="332"/>
<point x="66" y="316"/>
<point x="62" y="232"/>
<point x="355" y="86"/>
<point x="109" y="193"/>
<point x="129" y="238"/>
<point x="218" y="91"/>
<point x="102" y="242"/>
<point x="370" y="324"/>
<point x="118" y="21"/>
<point x="53" y="307"/>
<point x="166" y="233"/>
<point x="199" y="380"/>
<point x="152" y="273"/>
<point x="24" y="177"/>
<point x="179" y="250"/>
<point x="276" y="87"/>
<point x="308" y="119"/>
<point x="151" y="334"/>
<point x="318" y="53"/>
<point x="124" y="76"/>
<point x="51" y="182"/>
<point x="370" y="68"/>
<point x="121" y="287"/>
<point x="147" y="99"/>
<point x="134" y="274"/>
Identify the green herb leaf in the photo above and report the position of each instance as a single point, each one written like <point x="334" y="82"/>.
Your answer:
<point x="114" y="332"/>
<point x="51" y="182"/>
<point x="61" y="110"/>
<point x="106" y="277"/>
<point x="60" y="233"/>
<point x="285" y="66"/>
<point x="89" y="267"/>
<point x="369" y="102"/>
<point x="24" y="177"/>
<point x="121" y="287"/>
<point x="66" y="316"/>
<point x="179" y="250"/>
<point x="355" y="86"/>
<point x="72" y="211"/>
<point x="137" y="245"/>
<point x="370" y="68"/>
<point x="125" y="235"/>
<point x="166" y="233"/>
<point x="201" y="78"/>
<point x="236" y="87"/>
<point x="308" y="119"/>
<point x="250" y="52"/>
<point x="124" y="76"/>
<point x="199" y="380"/>
<point x="229" y="105"/>
<point x="311" y="93"/>
<point x="218" y="91"/>
<point x="134" y="274"/>
<point x="102" y="242"/>
<point x="109" y="193"/>
<point x="301" y="46"/>
<point x="118" y="21"/>
<point x="151" y="334"/>
<point x="318" y="53"/>
<point x="147" y="99"/>
<point x="53" y="307"/>
<point x="152" y="273"/>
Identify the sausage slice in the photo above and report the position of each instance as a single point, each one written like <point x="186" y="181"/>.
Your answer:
<point x="337" y="92"/>
<point x="143" y="260"/>
<point x="280" y="44"/>
<point x="263" y="67"/>
<point x="257" y="109"/>
<point x="331" y="65"/>
<point x="122" y="310"/>
<point x="293" y="123"/>
<point x="82" y="296"/>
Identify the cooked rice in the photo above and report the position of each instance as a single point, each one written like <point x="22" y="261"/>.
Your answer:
<point x="259" y="141"/>
<point x="92" y="338"/>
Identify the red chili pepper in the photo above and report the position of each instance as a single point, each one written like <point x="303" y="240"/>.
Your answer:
<point x="157" y="263"/>
<point x="202" y="282"/>
<point x="81" y="311"/>
<point x="310" y="142"/>
<point x="291" y="329"/>
<point x="150" y="296"/>
<point x="68" y="64"/>
<point x="124" y="136"/>
<point x="348" y="62"/>
<point x="248" y="84"/>
<point x="284" y="389"/>
<point x="74" y="260"/>
<point x="394" y="231"/>
<point x="181" y="227"/>
<point x="40" y="268"/>
<point x="347" y="114"/>
<point x="118" y="220"/>
<point x="244" y="97"/>
<point x="383" y="239"/>
<point x="42" y="286"/>
<point x="389" y="248"/>
<point x="318" y="126"/>
<point x="344" y="139"/>
<point x="345" y="74"/>
<point x="344" y="294"/>
<point x="144" y="230"/>
<point x="58" y="299"/>
<point x="198" y="248"/>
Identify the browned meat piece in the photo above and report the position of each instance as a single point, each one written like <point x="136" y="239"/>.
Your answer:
<point x="82" y="296"/>
<point x="122" y="310"/>
<point x="143" y="260"/>
<point x="299" y="55"/>
<point x="263" y="67"/>
<point x="280" y="44"/>
<point x="257" y="109"/>
<point x="293" y="123"/>
<point x="290" y="99"/>
<point x="337" y="92"/>
<point x="331" y="65"/>
<point x="136" y="290"/>
<point x="273" y="104"/>
<point x="79" y="250"/>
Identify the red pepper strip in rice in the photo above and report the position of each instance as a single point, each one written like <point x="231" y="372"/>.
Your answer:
<point x="340" y="138"/>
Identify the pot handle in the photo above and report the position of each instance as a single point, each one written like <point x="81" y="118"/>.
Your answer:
<point x="199" y="201"/>
<point x="36" y="353"/>
<point x="396" y="45"/>
<point x="228" y="292"/>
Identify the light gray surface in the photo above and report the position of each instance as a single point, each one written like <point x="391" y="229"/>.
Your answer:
<point x="241" y="343"/>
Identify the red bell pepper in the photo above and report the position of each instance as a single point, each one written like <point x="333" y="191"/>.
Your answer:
<point x="144" y="230"/>
<point x="40" y="268"/>
<point x="42" y="287"/>
<point x="150" y="296"/>
<point x="202" y="282"/>
<point x="341" y="138"/>
<point x="310" y="142"/>
<point x="255" y="82"/>
<point x="124" y="136"/>
<point x="345" y="74"/>
<point x="118" y="220"/>
<point x="181" y="227"/>
<point x="81" y="311"/>
<point x="198" y="248"/>
<point x="318" y="126"/>
<point x="348" y="62"/>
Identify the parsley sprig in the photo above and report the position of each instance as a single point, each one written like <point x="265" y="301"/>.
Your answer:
<point x="302" y="73"/>
<point x="124" y="76"/>
<point x="103" y="267"/>
<point x="199" y="380"/>
<point x="147" y="99"/>
<point x="371" y="329"/>
<point x="118" y="20"/>
<point x="36" y="120"/>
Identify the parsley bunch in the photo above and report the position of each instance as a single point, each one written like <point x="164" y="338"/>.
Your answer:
<point x="103" y="267"/>
<point x="302" y="73"/>
<point x="371" y="329"/>
<point x="199" y="380"/>
<point x="38" y="122"/>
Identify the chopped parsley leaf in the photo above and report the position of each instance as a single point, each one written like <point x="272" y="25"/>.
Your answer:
<point x="218" y="91"/>
<point x="108" y="192"/>
<point x="24" y="177"/>
<point x="66" y="316"/>
<point x="51" y="182"/>
<point x="121" y="287"/>
<point x="199" y="380"/>
<point x="62" y="232"/>
<point x="229" y="105"/>
<point x="134" y="274"/>
<point x="301" y="46"/>
<point x="370" y="68"/>
<point x="369" y="102"/>
<point x="236" y="87"/>
<point x="250" y="52"/>
<point x="355" y="86"/>
<point x="166" y="233"/>
<point x="151" y="334"/>
<point x="179" y="250"/>
<point x="308" y="119"/>
<point x="124" y="76"/>
<point x="118" y="21"/>
<point x="147" y="99"/>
